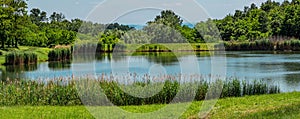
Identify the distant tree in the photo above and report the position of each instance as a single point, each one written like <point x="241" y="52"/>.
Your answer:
<point x="168" y="18"/>
<point x="57" y="17"/>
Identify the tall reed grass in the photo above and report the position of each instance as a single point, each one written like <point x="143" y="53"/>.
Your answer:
<point x="285" y="45"/>
<point x="86" y="91"/>
<point x="244" y="46"/>
<point x="60" y="54"/>
<point x="20" y="58"/>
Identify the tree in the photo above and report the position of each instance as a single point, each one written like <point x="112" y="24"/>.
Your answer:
<point x="263" y="22"/>
<point x="75" y="25"/>
<point x="20" y="20"/>
<point x="57" y="17"/>
<point x="168" y="18"/>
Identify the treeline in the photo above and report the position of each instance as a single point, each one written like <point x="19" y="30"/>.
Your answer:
<point x="265" y="22"/>
<point x="20" y="26"/>
<point x="273" y="21"/>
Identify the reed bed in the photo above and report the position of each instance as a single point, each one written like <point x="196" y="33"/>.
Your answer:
<point x="285" y="45"/>
<point x="293" y="45"/>
<point x="60" y="54"/>
<point x="21" y="58"/>
<point x="245" y="46"/>
<point x="89" y="91"/>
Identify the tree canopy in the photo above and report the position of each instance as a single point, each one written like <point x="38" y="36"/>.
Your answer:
<point x="20" y="26"/>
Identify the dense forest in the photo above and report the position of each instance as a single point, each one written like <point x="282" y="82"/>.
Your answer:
<point x="271" y="20"/>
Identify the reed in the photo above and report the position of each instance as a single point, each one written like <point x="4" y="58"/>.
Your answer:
<point x="60" y="54"/>
<point x="244" y="46"/>
<point x="293" y="45"/>
<point x="67" y="92"/>
<point x="285" y="45"/>
<point x="21" y="58"/>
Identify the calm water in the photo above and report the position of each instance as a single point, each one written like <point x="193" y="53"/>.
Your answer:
<point x="280" y="68"/>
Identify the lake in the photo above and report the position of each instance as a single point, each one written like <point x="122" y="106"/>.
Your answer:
<point x="279" y="68"/>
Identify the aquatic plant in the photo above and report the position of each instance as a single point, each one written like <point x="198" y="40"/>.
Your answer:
<point x="79" y="91"/>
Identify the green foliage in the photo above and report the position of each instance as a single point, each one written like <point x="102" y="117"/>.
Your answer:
<point x="250" y="24"/>
<point x="64" y="91"/>
<point x="167" y="18"/>
<point x="271" y="19"/>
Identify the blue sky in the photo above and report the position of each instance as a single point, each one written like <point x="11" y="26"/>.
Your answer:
<point x="125" y="11"/>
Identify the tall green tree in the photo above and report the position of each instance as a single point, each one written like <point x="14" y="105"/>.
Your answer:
<point x="168" y="18"/>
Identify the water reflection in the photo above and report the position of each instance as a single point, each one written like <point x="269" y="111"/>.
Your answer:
<point x="274" y="67"/>
<point x="162" y="58"/>
<point x="59" y="65"/>
<point x="16" y="71"/>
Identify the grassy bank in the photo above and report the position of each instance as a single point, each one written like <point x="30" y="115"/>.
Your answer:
<point x="42" y="53"/>
<point x="164" y="47"/>
<point x="286" y="105"/>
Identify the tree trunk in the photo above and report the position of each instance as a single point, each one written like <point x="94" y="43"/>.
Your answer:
<point x="2" y="43"/>
<point x="16" y="43"/>
<point x="12" y="42"/>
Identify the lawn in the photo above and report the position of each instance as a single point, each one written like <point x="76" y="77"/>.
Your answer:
<point x="286" y="105"/>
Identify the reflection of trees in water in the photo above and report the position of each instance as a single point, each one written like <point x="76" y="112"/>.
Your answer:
<point x="164" y="58"/>
<point x="83" y="57"/>
<point x="292" y="79"/>
<point x="59" y="65"/>
<point x="20" y="68"/>
<point x="16" y="71"/>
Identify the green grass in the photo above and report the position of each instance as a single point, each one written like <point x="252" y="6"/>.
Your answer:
<point x="286" y="105"/>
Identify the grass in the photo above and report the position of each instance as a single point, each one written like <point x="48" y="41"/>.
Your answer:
<point x="265" y="44"/>
<point x="164" y="47"/>
<point x="171" y="47"/>
<point x="20" y="58"/>
<point x="153" y="90"/>
<point x="274" y="106"/>
<point x="267" y="106"/>
<point x="60" y="54"/>
<point x="42" y="53"/>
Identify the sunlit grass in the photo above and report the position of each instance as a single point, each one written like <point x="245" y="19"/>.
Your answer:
<point x="285" y="105"/>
